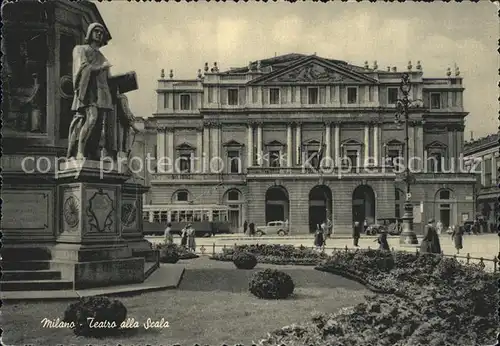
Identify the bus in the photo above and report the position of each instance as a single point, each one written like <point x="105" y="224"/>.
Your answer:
<point x="205" y="219"/>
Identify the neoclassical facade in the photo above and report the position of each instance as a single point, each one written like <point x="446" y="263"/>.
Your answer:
<point x="486" y="151"/>
<point x="255" y="134"/>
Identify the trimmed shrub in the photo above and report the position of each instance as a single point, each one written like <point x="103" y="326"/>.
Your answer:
<point x="181" y="251"/>
<point x="271" y="284"/>
<point x="169" y="254"/>
<point x="244" y="260"/>
<point x="107" y="316"/>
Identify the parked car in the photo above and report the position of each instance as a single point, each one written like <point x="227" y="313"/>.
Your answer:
<point x="388" y="224"/>
<point x="273" y="227"/>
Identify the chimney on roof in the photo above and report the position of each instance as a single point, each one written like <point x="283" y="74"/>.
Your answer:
<point x="394" y="69"/>
<point x="471" y="136"/>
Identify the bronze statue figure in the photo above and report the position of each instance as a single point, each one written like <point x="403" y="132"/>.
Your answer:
<point x="93" y="99"/>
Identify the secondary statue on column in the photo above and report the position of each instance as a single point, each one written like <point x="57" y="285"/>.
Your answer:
<point x="93" y="100"/>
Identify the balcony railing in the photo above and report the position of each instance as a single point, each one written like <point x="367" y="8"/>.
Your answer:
<point x="169" y="177"/>
<point x="324" y="171"/>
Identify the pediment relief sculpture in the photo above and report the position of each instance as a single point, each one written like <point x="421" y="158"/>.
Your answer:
<point x="232" y="143"/>
<point x="436" y="145"/>
<point x="275" y="143"/>
<point x="313" y="73"/>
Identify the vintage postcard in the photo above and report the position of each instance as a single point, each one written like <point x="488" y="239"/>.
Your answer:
<point x="250" y="173"/>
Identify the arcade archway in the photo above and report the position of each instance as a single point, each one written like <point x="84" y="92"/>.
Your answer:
<point x="277" y="204"/>
<point x="363" y="204"/>
<point x="320" y="206"/>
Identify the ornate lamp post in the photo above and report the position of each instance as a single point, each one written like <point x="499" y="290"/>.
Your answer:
<point x="408" y="236"/>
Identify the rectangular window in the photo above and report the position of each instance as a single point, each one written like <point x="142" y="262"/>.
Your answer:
<point x="312" y="157"/>
<point x="397" y="211"/>
<point x="352" y="156"/>
<point x="352" y="95"/>
<point x="185" y="102"/>
<point x="371" y="93"/>
<point x="392" y="95"/>
<point x="274" y="96"/>
<point x="435" y="162"/>
<point x="185" y="163"/>
<point x="487" y="172"/>
<point x="392" y="155"/>
<point x="435" y="101"/>
<point x="234" y="161"/>
<point x="232" y="97"/>
<point x="274" y="158"/>
<point x="165" y="100"/>
<point x="313" y="96"/>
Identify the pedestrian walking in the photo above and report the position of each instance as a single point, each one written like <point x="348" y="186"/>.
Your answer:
<point x="318" y="238"/>
<point x="365" y="226"/>
<point x="245" y="227"/>
<point x="329" y="227"/>
<point x="457" y="237"/>
<point x="439" y="227"/>
<point x="184" y="237"/>
<point x="382" y="241"/>
<point x="251" y="229"/>
<point x="430" y="242"/>
<point x="356" y="233"/>
<point x="191" y="239"/>
<point x="169" y="239"/>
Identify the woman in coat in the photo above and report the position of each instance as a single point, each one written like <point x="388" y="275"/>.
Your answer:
<point x="356" y="233"/>
<point x="457" y="237"/>
<point x="191" y="242"/>
<point x="169" y="239"/>
<point x="184" y="237"/>
<point x="430" y="242"/>
<point x="319" y="240"/>
<point x="382" y="240"/>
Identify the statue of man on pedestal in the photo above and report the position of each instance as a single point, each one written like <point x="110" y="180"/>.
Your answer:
<point x="93" y="98"/>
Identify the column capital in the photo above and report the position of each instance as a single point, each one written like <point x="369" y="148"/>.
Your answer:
<point x="298" y="123"/>
<point x="328" y="122"/>
<point x="169" y="129"/>
<point x="199" y="128"/>
<point x="160" y="129"/>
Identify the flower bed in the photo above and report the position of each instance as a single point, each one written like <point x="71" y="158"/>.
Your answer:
<point x="182" y="252"/>
<point x="439" y="301"/>
<point x="274" y="254"/>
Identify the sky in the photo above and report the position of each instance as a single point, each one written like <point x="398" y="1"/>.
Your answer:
<point x="147" y="37"/>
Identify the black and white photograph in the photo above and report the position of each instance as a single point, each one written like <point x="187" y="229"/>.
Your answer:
<point x="250" y="173"/>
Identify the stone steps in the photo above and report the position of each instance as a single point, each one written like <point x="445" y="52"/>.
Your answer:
<point x="25" y="265"/>
<point x="31" y="275"/>
<point x="36" y="285"/>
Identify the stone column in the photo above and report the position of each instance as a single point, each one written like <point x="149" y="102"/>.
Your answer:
<point x="160" y="149"/>
<point x="215" y="138"/>
<point x="338" y="154"/>
<point x="259" y="143"/>
<point x="170" y="147"/>
<point x="250" y="154"/>
<point x="206" y="149"/>
<point x="493" y="169"/>
<point x="376" y="144"/>
<point x="483" y="171"/>
<point x="367" y="144"/>
<point x="298" y="143"/>
<point x="289" y="145"/>
<point x="199" y="150"/>
<point x="328" y="142"/>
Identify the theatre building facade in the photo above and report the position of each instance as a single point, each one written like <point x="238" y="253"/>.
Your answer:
<point x="255" y="135"/>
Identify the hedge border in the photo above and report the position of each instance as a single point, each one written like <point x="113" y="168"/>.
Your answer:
<point x="351" y="276"/>
<point x="259" y="260"/>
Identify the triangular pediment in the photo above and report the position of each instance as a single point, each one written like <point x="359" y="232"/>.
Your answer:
<point x="185" y="146"/>
<point x="351" y="142"/>
<point x="437" y="144"/>
<point x="274" y="143"/>
<point x="394" y="142"/>
<point x="315" y="70"/>
<point x="233" y="143"/>
<point x="312" y="142"/>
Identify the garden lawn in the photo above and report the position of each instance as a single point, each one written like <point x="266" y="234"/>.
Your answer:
<point x="212" y="306"/>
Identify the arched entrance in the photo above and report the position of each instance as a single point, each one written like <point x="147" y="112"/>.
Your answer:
<point x="277" y="203"/>
<point x="320" y="206"/>
<point x="363" y="204"/>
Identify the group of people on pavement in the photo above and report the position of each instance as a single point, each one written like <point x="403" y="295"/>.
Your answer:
<point x="188" y="237"/>
<point x="249" y="228"/>
<point x="323" y="231"/>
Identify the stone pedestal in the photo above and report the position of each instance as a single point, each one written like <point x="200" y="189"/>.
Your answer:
<point x="90" y="249"/>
